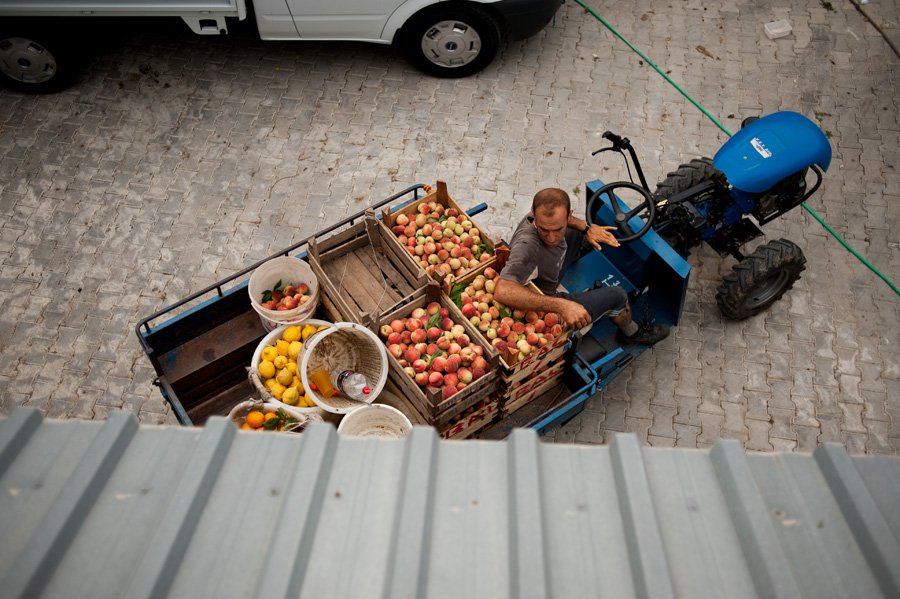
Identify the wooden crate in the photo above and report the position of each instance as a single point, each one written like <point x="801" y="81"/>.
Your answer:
<point x="362" y="272"/>
<point x="442" y="197"/>
<point x="470" y="423"/>
<point x="512" y="372"/>
<point x="428" y="402"/>
<point x="520" y="395"/>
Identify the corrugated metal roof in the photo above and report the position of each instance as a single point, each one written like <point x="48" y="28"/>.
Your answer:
<point x="91" y="509"/>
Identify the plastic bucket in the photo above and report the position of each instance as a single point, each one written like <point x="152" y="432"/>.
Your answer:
<point x="270" y="339"/>
<point x="375" y="420"/>
<point x="286" y="269"/>
<point x="344" y="346"/>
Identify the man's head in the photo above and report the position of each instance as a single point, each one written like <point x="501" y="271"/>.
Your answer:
<point x="551" y="209"/>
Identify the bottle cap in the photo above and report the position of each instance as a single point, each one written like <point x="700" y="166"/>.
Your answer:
<point x="366" y="390"/>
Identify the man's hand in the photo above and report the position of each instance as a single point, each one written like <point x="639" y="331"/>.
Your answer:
<point x="574" y="314"/>
<point x="601" y="234"/>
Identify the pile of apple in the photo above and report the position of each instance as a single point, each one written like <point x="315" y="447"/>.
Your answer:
<point x="513" y="333"/>
<point x="443" y="241"/>
<point x="285" y="297"/>
<point x="434" y="351"/>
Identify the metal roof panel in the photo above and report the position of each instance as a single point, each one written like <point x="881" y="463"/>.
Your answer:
<point x="92" y="509"/>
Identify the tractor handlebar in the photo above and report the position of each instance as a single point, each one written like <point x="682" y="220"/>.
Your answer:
<point x="618" y="143"/>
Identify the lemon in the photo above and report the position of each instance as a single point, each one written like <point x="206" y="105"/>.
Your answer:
<point x="298" y="384"/>
<point x="292" y="366"/>
<point x="322" y="328"/>
<point x="284" y="377"/>
<point x="294" y="349"/>
<point x="305" y="402"/>
<point x="269" y="353"/>
<point x="271" y="383"/>
<point x="291" y="334"/>
<point x="290" y="396"/>
<point x="280" y="362"/>
<point x="277" y="390"/>
<point x="266" y="369"/>
<point x="282" y="346"/>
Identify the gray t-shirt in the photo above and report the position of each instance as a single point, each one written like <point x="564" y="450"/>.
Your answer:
<point x="527" y="254"/>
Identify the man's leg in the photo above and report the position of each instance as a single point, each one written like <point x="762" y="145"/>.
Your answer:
<point x="612" y="302"/>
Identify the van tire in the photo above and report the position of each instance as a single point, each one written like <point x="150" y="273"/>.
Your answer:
<point x="436" y="40"/>
<point x="33" y="62"/>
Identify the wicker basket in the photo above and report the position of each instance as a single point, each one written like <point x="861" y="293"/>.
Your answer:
<point x="345" y="346"/>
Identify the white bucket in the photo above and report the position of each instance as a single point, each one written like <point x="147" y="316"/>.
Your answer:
<point x="344" y="346"/>
<point x="286" y="269"/>
<point x="270" y="339"/>
<point x="376" y="420"/>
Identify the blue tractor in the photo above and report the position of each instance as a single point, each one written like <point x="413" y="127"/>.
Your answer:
<point x="760" y="172"/>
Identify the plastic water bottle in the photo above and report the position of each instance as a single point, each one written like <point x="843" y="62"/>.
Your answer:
<point x="353" y="385"/>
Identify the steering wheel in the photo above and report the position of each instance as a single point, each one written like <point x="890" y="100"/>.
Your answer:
<point x="646" y="209"/>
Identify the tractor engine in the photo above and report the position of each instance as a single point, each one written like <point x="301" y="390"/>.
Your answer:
<point x="685" y="222"/>
<point x="785" y="195"/>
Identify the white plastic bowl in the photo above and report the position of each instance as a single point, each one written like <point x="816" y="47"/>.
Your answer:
<point x="270" y="339"/>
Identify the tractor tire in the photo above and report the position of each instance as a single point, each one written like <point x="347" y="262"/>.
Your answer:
<point x="687" y="175"/>
<point x="760" y="279"/>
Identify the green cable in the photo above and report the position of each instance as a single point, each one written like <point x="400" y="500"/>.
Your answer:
<point x="728" y="133"/>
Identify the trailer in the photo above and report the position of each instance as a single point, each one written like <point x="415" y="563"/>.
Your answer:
<point x="201" y="346"/>
<point x="40" y="39"/>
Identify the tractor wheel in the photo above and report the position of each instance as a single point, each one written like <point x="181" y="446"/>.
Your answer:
<point x="687" y="175"/>
<point x="757" y="281"/>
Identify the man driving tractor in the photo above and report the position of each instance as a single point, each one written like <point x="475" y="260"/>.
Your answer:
<point x="546" y="242"/>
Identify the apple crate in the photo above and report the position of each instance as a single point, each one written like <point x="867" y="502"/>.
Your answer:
<point x="475" y="419"/>
<point x="442" y="197"/>
<point x="514" y="371"/>
<point x="428" y="401"/>
<point x="363" y="271"/>
<point x="520" y="395"/>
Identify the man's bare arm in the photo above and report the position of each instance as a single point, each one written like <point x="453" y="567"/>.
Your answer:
<point x="510" y="293"/>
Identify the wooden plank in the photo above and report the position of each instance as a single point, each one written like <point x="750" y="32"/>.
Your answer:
<point x="367" y="281"/>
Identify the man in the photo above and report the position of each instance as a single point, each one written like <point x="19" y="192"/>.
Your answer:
<point x="549" y="240"/>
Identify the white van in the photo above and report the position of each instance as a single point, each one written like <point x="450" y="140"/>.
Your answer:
<point x="444" y="38"/>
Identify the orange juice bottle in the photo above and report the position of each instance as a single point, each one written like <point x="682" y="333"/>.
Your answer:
<point x="322" y="380"/>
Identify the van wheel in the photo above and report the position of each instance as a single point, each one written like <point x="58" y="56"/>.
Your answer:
<point x="456" y="41"/>
<point x="33" y="65"/>
<point x="760" y="279"/>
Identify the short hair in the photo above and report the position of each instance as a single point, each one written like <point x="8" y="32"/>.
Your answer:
<point x="550" y="198"/>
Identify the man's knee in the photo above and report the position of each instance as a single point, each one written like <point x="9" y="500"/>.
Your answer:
<point x="621" y="297"/>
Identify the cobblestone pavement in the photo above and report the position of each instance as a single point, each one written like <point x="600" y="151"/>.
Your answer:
<point x="176" y="160"/>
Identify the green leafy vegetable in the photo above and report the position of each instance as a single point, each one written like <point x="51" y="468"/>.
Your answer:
<point x="456" y="293"/>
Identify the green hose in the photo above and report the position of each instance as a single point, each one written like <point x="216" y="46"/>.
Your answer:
<point x="728" y="133"/>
